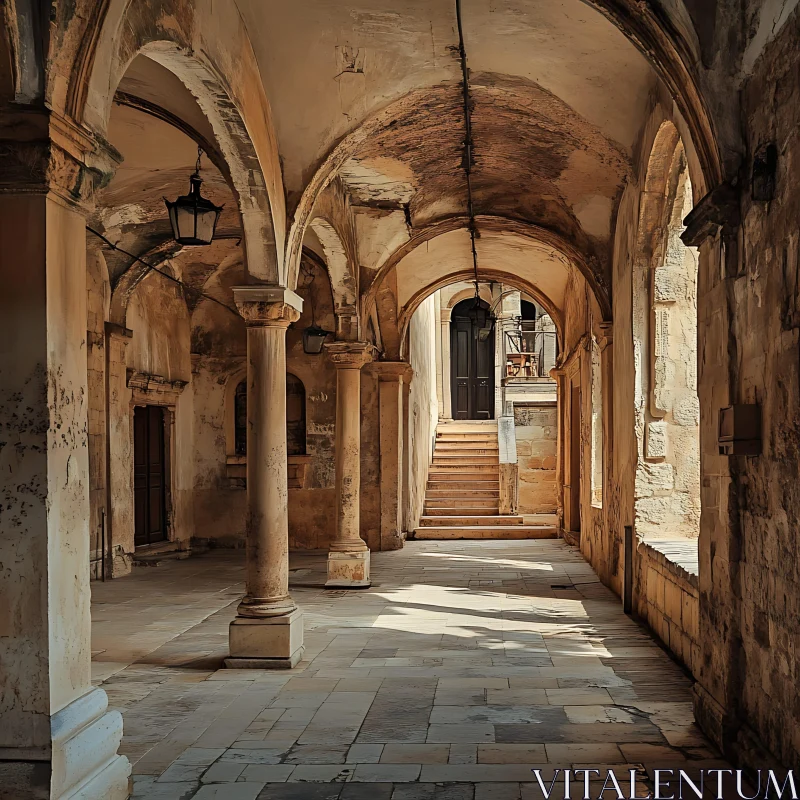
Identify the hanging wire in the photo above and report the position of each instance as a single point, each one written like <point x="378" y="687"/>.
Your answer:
<point x="197" y="164"/>
<point x="161" y="272"/>
<point x="468" y="144"/>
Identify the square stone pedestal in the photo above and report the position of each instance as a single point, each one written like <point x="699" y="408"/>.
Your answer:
<point x="348" y="570"/>
<point x="266" y="642"/>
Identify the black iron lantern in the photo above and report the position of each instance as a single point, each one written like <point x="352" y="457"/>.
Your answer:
<point x="193" y="217"/>
<point x="481" y="317"/>
<point x="313" y="339"/>
<point x="313" y="336"/>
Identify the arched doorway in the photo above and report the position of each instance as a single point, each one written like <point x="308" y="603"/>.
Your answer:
<point x="472" y="360"/>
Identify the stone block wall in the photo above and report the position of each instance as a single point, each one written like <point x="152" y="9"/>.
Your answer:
<point x="666" y="596"/>
<point x="536" y="428"/>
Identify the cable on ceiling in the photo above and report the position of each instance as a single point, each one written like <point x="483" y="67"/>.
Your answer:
<point x="164" y="274"/>
<point x="467" y="159"/>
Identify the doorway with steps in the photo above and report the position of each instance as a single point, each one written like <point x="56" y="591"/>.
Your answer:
<point x="462" y="498"/>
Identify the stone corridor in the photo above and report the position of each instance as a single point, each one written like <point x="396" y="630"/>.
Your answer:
<point x="464" y="666"/>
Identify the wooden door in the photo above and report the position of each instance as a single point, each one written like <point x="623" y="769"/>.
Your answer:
<point x="472" y="368"/>
<point x="149" y="475"/>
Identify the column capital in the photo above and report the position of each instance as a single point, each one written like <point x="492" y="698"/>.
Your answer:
<point x="47" y="153"/>
<point x="392" y="370"/>
<point x="264" y="306"/>
<point x="350" y="355"/>
<point x="607" y="337"/>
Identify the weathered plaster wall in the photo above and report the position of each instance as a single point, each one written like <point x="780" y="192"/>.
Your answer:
<point x="422" y="407"/>
<point x="160" y="346"/>
<point x="536" y="429"/>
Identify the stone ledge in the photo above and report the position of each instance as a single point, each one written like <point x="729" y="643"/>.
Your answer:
<point x="678" y="558"/>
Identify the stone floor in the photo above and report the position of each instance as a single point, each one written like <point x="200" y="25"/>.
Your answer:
<point x="465" y="665"/>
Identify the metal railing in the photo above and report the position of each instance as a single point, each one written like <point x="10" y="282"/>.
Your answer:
<point x="529" y="353"/>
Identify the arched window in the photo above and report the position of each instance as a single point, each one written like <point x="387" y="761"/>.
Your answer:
<point x="295" y="417"/>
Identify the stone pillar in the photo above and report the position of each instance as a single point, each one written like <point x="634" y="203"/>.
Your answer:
<point x="392" y="375"/>
<point x="268" y="630"/>
<point x="348" y="558"/>
<point x="119" y="458"/>
<point x="447" y="395"/>
<point x="558" y="376"/>
<point x="57" y="737"/>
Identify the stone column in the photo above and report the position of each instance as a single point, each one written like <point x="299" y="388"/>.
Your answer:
<point x="348" y="558"/>
<point x="558" y="375"/>
<point x="392" y="375"/>
<point x="58" y="738"/>
<point x="119" y="457"/>
<point x="268" y="630"/>
<point x="447" y="395"/>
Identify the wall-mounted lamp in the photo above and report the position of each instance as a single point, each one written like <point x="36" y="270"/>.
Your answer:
<point x="765" y="167"/>
<point x="192" y="216"/>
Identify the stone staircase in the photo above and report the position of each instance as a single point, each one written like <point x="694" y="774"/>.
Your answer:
<point x="462" y="499"/>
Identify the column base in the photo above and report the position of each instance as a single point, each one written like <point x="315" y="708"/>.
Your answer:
<point x="266" y="642"/>
<point x="84" y="762"/>
<point x="348" y="570"/>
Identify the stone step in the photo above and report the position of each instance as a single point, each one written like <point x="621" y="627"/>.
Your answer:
<point x="466" y="500"/>
<point x="487" y="532"/>
<point x="541" y="519"/>
<point x="466" y="461"/>
<point x="445" y="479"/>
<point x="463" y="490"/>
<point x="469" y="521"/>
<point x="467" y="424"/>
<point x="456" y="481"/>
<point x="453" y="510"/>
<point x="467" y="452"/>
<point x="487" y="468"/>
<point x="466" y="437"/>
<point x="456" y="450"/>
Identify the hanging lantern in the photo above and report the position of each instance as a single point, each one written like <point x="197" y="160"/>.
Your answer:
<point x="193" y="217"/>
<point x="478" y="313"/>
<point x="313" y="339"/>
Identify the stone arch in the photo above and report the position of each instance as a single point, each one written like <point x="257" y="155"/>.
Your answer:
<point x="669" y="45"/>
<point x="341" y="272"/>
<point x="664" y="317"/>
<point x="533" y="233"/>
<point x="237" y="110"/>
<point x="498" y="276"/>
<point x="462" y="295"/>
<point x="124" y="288"/>
<point x="21" y="72"/>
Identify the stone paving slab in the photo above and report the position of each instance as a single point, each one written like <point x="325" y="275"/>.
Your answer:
<point x="460" y="670"/>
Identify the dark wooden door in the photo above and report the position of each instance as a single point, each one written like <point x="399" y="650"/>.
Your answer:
<point x="149" y="475"/>
<point x="472" y="368"/>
